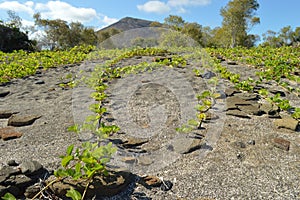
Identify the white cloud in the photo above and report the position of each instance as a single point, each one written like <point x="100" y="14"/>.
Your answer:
<point x="27" y="23"/>
<point x="65" y="11"/>
<point x="108" y="21"/>
<point x="154" y="7"/>
<point x="161" y="7"/>
<point x="27" y="7"/>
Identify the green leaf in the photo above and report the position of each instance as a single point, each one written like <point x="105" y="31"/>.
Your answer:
<point x="66" y="160"/>
<point x="78" y="167"/>
<point x="88" y="160"/>
<point x="61" y="173"/>
<point x="193" y="122"/>
<point x="8" y="196"/>
<point x="74" y="194"/>
<point x="184" y="129"/>
<point x="70" y="149"/>
<point x="74" y="128"/>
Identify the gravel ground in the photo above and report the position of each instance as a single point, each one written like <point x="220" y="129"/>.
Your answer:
<point x="235" y="168"/>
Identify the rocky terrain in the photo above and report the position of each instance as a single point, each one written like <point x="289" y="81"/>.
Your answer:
<point x="246" y="148"/>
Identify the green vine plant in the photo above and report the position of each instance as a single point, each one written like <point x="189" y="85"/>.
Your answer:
<point x="206" y="100"/>
<point x="91" y="159"/>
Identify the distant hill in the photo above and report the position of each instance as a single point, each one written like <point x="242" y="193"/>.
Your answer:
<point x="128" y="23"/>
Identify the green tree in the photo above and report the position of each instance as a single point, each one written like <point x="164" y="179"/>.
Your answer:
<point x="272" y="39"/>
<point x="12" y="38"/>
<point x="174" y="22"/>
<point x="61" y="35"/>
<point x="106" y="34"/>
<point x="193" y="30"/>
<point x="296" y="36"/>
<point x="14" y="20"/>
<point x="286" y="35"/>
<point x="238" y="18"/>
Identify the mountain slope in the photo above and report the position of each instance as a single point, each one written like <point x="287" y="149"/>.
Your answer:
<point x="128" y="23"/>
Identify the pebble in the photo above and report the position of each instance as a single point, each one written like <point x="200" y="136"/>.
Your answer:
<point x="282" y="144"/>
<point x="12" y="163"/>
<point x="4" y="93"/>
<point x="39" y="82"/>
<point x="251" y="142"/>
<point x="166" y="185"/>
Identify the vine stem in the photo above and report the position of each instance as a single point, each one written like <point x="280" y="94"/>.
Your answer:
<point x="46" y="187"/>
<point x="85" y="189"/>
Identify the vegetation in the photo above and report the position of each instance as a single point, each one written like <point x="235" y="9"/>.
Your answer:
<point x="61" y="35"/>
<point x="277" y="60"/>
<point x="238" y="17"/>
<point x="12" y="37"/>
<point x="20" y="63"/>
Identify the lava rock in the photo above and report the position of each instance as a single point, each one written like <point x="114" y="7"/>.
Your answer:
<point x="150" y="181"/>
<point x="30" y="167"/>
<point x="5" y="114"/>
<point x="238" y="113"/>
<point x="208" y="75"/>
<point x="288" y="123"/>
<point x="184" y="145"/>
<point x="39" y="82"/>
<point x="4" y="93"/>
<point x="19" y="120"/>
<point x="282" y="144"/>
<point x="8" y="133"/>
<point x="166" y="185"/>
<point x="12" y="163"/>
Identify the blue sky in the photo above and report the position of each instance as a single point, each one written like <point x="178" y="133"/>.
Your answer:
<point x="274" y="14"/>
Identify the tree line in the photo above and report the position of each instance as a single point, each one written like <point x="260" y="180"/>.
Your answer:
<point x="239" y="16"/>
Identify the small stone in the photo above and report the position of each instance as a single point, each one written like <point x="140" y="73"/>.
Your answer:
<point x="30" y="167"/>
<point x="5" y="114"/>
<point x="241" y="145"/>
<point x="19" y="120"/>
<point x="39" y="82"/>
<point x="151" y="181"/>
<point x="129" y="160"/>
<point x="234" y="101"/>
<point x="240" y="156"/>
<point x="269" y="109"/>
<point x="230" y="62"/>
<point x="145" y="160"/>
<point x="4" y="93"/>
<point x="288" y="123"/>
<point x="6" y="172"/>
<point x="208" y="75"/>
<point x="134" y="142"/>
<point x="166" y="185"/>
<point x="248" y="96"/>
<point x="22" y="181"/>
<point x="275" y="91"/>
<point x="184" y="145"/>
<point x="238" y="113"/>
<point x="282" y="144"/>
<point x="231" y="91"/>
<point x="251" y="109"/>
<point x="251" y="142"/>
<point x="9" y="133"/>
<point x="12" y="163"/>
